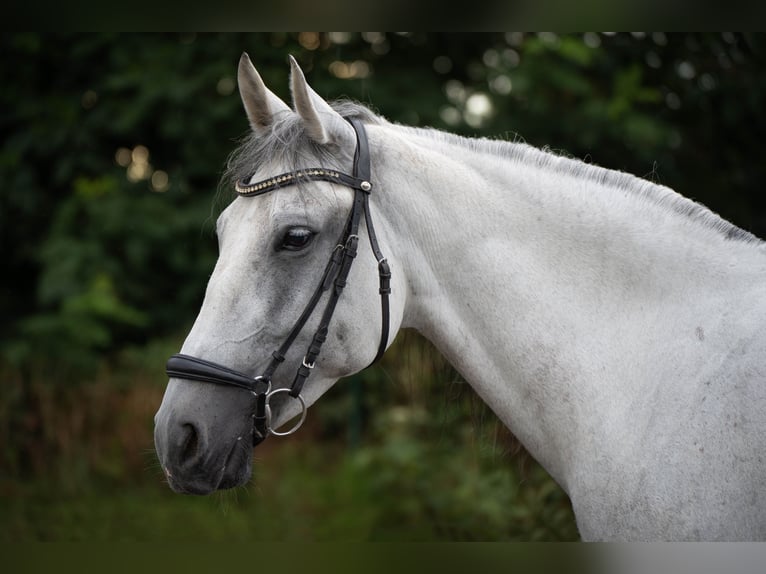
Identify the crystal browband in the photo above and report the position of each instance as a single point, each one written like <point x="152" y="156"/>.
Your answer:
<point x="312" y="174"/>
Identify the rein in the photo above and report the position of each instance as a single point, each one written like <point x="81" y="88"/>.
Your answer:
<point x="333" y="279"/>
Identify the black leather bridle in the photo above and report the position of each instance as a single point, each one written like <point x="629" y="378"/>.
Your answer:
<point x="333" y="279"/>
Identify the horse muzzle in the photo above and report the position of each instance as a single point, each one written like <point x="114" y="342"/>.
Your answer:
<point x="204" y="440"/>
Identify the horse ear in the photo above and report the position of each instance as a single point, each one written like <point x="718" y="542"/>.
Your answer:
<point x="323" y="124"/>
<point x="260" y="103"/>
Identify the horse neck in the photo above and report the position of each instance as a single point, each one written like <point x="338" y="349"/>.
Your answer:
<point x="541" y="287"/>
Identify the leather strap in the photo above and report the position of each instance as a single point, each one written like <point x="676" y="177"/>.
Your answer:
<point x="362" y="171"/>
<point x="384" y="274"/>
<point x="330" y="272"/>
<point x="188" y="367"/>
<point x="350" y="247"/>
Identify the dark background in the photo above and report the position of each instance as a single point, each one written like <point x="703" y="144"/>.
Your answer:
<point x="111" y="148"/>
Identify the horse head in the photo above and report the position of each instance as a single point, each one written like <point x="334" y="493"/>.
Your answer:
<point x="273" y="302"/>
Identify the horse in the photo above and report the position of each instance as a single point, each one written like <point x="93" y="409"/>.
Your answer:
<point x="613" y="325"/>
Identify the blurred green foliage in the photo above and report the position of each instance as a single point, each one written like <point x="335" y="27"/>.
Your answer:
<point x="111" y="151"/>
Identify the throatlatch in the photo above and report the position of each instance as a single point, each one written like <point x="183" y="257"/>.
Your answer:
<point x="333" y="279"/>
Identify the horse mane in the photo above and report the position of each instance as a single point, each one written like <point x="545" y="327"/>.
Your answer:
<point x="549" y="160"/>
<point x="288" y="144"/>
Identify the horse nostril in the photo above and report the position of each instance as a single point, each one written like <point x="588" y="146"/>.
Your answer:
<point x="190" y="442"/>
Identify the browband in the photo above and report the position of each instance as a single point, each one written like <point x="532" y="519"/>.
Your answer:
<point x="312" y="174"/>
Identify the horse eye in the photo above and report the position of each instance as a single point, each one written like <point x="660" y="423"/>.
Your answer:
<point x="297" y="238"/>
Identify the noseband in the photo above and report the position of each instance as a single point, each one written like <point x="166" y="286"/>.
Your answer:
<point x="333" y="280"/>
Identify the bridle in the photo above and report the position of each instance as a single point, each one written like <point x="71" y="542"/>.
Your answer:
<point x="333" y="279"/>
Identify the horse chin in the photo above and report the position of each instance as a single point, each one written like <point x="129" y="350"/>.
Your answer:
<point x="236" y="471"/>
<point x="239" y="466"/>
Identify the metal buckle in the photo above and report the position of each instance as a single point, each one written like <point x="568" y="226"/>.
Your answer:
<point x="261" y="379"/>
<point x="268" y="413"/>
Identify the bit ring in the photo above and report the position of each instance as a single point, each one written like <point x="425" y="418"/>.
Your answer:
<point x="295" y="427"/>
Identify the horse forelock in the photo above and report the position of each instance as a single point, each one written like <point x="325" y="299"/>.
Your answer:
<point x="288" y="144"/>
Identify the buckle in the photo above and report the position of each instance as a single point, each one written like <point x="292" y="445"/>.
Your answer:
<point x="259" y="380"/>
